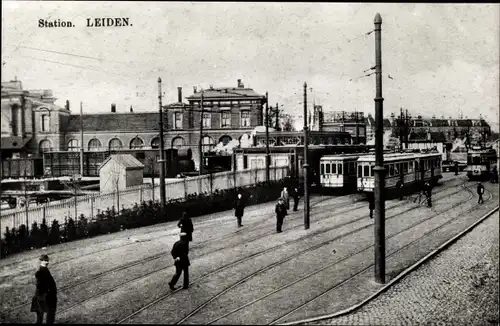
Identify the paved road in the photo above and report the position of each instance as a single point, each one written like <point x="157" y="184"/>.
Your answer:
<point x="460" y="286"/>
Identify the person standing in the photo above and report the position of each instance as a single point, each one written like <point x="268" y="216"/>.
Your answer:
<point x="45" y="298"/>
<point x="480" y="192"/>
<point x="399" y="189"/>
<point x="239" y="208"/>
<point x="456" y="168"/>
<point x="286" y="198"/>
<point x="296" y="197"/>
<point x="428" y="193"/>
<point x="180" y="252"/>
<point x="186" y="225"/>
<point x="371" y="203"/>
<point x="280" y="214"/>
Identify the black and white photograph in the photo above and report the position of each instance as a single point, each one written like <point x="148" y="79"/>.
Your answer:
<point x="250" y="163"/>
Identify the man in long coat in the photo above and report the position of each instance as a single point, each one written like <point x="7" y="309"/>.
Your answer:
<point x="371" y="203"/>
<point x="180" y="252"/>
<point x="296" y="197"/>
<point x="286" y="197"/>
<point x="280" y="214"/>
<point x="239" y="208"/>
<point x="186" y="225"/>
<point x="480" y="192"/>
<point x="45" y="298"/>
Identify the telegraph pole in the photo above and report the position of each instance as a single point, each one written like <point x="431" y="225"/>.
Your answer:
<point x="306" y="166"/>
<point x="277" y="117"/>
<point x="162" y="151"/>
<point x="401" y="129"/>
<point x="201" y="134"/>
<point x="379" y="160"/>
<point x="81" y="139"/>
<point x="407" y="127"/>
<point x="268" y="158"/>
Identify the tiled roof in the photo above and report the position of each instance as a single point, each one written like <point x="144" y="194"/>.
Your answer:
<point x="126" y="160"/>
<point x="422" y="135"/>
<point x="114" y="121"/>
<point x="464" y="122"/>
<point x="227" y="92"/>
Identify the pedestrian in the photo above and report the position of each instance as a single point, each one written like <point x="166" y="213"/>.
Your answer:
<point x="480" y="192"/>
<point x="494" y="173"/>
<point x="399" y="189"/>
<point x="456" y="168"/>
<point x="371" y="203"/>
<point x="239" y="208"/>
<point x="286" y="198"/>
<point x="186" y="225"/>
<point x="45" y="298"/>
<point x="428" y="193"/>
<point x="280" y="214"/>
<point x="296" y="197"/>
<point x="180" y="252"/>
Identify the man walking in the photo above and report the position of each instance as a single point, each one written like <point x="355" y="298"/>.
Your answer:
<point x="428" y="193"/>
<point x="280" y="214"/>
<point x="239" y="208"/>
<point x="480" y="192"/>
<point x="180" y="252"/>
<point x="45" y="298"/>
<point x="186" y="225"/>
<point x="456" y="168"/>
<point x="371" y="203"/>
<point x="296" y="197"/>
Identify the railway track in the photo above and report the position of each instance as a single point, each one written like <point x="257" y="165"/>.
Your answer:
<point x="151" y="304"/>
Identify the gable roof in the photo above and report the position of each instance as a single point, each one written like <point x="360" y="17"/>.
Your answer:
<point x="115" y="121"/>
<point x="127" y="161"/>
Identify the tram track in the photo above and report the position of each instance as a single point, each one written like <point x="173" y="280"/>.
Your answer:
<point x="272" y="265"/>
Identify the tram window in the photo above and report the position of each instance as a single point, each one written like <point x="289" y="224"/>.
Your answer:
<point x="340" y="168"/>
<point x="360" y="170"/>
<point x="327" y="171"/>
<point x="386" y="167"/>
<point x="322" y="168"/>
<point x="410" y="167"/>
<point x="405" y="167"/>
<point x="416" y="165"/>
<point x="391" y="170"/>
<point x="366" y="170"/>
<point x="372" y="173"/>
<point x="353" y="167"/>
<point x="396" y="169"/>
<point x="334" y="168"/>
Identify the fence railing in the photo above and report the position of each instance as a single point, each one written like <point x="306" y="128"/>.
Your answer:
<point x="90" y="205"/>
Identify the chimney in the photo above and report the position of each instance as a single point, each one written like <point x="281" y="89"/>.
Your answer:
<point x="67" y="105"/>
<point x="194" y="89"/>
<point x="240" y="84"/>
<point x="131" y="110"/>
<point x="113" y="107"/>
<point x="179" y="94"/>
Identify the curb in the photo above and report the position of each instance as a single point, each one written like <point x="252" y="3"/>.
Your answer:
<point x="397" y="278"/>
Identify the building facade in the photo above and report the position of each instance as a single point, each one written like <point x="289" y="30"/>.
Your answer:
<point x="341" y="121"/>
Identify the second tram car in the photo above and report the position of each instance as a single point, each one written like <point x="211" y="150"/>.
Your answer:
<point x="339" y="171"/>
<point x="410" y="169"/>
<point x="480" y="162"/>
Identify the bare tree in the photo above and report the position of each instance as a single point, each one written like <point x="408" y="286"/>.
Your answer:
<point x="288" y="124"/>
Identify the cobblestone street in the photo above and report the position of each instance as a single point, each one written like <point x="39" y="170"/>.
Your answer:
<point x="463" y="289"/>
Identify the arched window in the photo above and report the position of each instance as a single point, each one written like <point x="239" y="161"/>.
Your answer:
<point x="73" y="145"/>
<point x="155" y="142"/>
<point x="45" y="145"/>
<point x="208" y="143"/>
<point x="245" y="141"/>
<point x="136" y="143"/>
<point x="115" y="144"/>
<point x="45" y="122"/>
<point x="225" y="139"/>
<point x="94" y="144"/>
<point x="178" y="142"/>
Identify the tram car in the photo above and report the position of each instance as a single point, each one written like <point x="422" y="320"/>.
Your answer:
<point x="411" y="169"/>
<point x="480" y="162"/>
<point x="338" y="172"/>
<point x="17" y="168"/>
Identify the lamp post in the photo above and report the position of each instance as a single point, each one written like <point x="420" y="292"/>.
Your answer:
<point x="268" y="157"/>
<point x="162" y="151"/>
<point x="379" y="160"/>
<point x="306" y="166"/>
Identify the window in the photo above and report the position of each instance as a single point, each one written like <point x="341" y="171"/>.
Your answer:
<point x="178" y="142"/>
<point x="334" y="168"/>
<point x="225" y="140"/>
<point x="327" y="171"/>
<point x="322" y="168"/>
<point x="115" y="144"/>
<point x="366" y="170"/>
<point x="245" y="118"/>
<point x="372" y="167"/>
<point x="73" y="145"/>
<point x="208" y="143"/>
<point x="45" y="122"/>
<point x="391" y="170"/>
<point x="360" y="170"/>
<point x="340" y="168"/>
<point x="45" y="145"/>
<point x="405" y="167"/>
<point x="155" y="143"/>
<point x="410" y="167"/>
<point x="416" y="165"/>
<point x="177" y="120"/>
<point x="207" y="121"/>
<point x="225" y="119"/>
<point x="136" y="143"/>
<point x="94" y="144"/>
<point x="396" y="169"/>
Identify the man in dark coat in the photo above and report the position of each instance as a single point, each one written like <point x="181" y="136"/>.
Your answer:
<point x="428" y="193"/>
<point x="186" y="226"/>
<point x="456" y="168"/>
<point x="480" y="192"/>
<point x="296" y="197"/>
<point x="180" y="252"/>
<point x="239" y="208"/>
<point x="280" y="214"/>
<point x="399" y="189"/>
<point x="45" y="298"/>
<point x="371" y="203"/>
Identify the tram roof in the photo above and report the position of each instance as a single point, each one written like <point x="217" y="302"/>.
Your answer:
<point x="392" y="157"/>
<point x="340" y="157"/>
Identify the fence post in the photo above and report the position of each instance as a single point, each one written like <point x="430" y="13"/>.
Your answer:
<point x="43" y="213"/>
<point x="140" y="194"/>
<point x="211" y="182"/>
<point x="92" y="198"/>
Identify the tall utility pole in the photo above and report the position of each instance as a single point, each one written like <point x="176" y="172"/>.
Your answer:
<point x="306" y="166"/>
<point x="401" y="127"/>
<point x="379" y="160"/>
<point x="201" y="134"/>
<point x="268" y="158"/>
<point x="277" y="117"/>
<point x="162" y="151"/>
<point x="81" y="139"/>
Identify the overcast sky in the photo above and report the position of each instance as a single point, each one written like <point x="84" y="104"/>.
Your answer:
<point x="443" y="58"/>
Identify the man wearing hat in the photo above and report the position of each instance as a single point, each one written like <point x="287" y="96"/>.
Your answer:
<point x="180" y="252"/>
<point x="45" y="298"/>
<point x="186" y="226"/>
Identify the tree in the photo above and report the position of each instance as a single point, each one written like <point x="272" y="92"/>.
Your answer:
<point x="55" y="233"/>
<point x="288" y="124"/>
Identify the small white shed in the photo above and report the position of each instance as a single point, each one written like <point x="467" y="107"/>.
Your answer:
<point x="120" y="171"/>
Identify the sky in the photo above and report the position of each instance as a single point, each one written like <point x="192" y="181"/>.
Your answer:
<point x="443" y="59"/>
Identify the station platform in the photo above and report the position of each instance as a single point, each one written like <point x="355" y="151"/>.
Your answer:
<point x="247" y="275"/>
